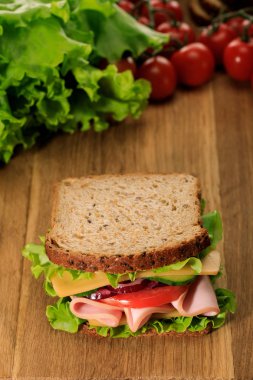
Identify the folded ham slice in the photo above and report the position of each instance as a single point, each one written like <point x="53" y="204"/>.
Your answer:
<point x="198" y="299"/>
<point x="87" y="309"/>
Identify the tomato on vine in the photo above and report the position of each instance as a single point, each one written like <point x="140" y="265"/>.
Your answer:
<point x="180" y="33"/>
<point x="247" y="29"/>
<point x="161" y="74"/>
<point x="238" y="59"/>
<point x="126" y="64"/>
<point x="194" y="64"/>
<point x="235" y="23"/>
<point x="162" y="11"/>
<point x="216" y="39"/>
<point x="126" y="5"/>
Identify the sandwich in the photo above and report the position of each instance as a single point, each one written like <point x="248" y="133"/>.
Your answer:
<point x="132" y="255"/>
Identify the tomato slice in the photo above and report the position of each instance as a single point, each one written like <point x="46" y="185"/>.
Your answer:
<point x="147" y="298"/>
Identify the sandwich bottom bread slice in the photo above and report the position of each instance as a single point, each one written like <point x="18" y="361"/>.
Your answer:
<point x="132" y="255"/>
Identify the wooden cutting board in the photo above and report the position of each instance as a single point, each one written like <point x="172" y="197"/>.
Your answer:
<point x="207" y="132"/>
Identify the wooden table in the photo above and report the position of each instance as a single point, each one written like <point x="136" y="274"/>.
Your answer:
<point x="208" y="132"/>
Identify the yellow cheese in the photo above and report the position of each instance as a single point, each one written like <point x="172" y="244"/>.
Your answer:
<point x="66" y="286"/>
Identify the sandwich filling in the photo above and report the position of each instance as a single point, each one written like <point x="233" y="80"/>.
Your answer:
<point x="177" y="297"/>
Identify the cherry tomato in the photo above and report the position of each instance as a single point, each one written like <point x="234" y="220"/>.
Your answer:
<point x="238" y="59"/>
<point x="143" y="20"/>
<point x="126" y="5"/>
<point x="252" y="81"/>
<point x="194" y="64"/>
<point x="161" y="74"/>
<point x="163" y="11"/>
<point x="235" y="23"/>
<point x="217" y="40"/>
<point x="180" y="33"/>
<point x="247" y="28"/>
<point x="176" y="10"/>
<point x="147" y="298"/>
<point x="126" y="64"/>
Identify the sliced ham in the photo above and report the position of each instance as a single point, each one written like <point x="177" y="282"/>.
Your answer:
<point x="136" y="318"/>
<point x="87" y="309"/>
<point x="198" y="299"/>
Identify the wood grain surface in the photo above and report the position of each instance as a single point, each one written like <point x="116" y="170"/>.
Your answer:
<point x="207" y="132"/>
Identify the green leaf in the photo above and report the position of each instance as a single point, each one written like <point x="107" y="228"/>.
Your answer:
<point x="194" y="263"/>
<point x="213" y="223"/>
<point x="113" y="279"/>
<point x="41" y="264"/>
<point x="132" y="276"/>
<point x="61" y="318"/>
<point x="48" y="82"/>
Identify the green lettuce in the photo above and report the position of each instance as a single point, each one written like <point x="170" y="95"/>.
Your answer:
<point x="41" y="264"/>
<point x="49" y="81"/>
<point x="114" y="279"/>
<point x="61" y="318"/>
<point x="213" y="223"/>
<point x="194" y="263"/>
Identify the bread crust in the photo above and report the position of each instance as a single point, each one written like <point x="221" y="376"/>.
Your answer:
<point x="116" y="263"/>
<point x="122" y="264"/>
<point x="92" y="332"/>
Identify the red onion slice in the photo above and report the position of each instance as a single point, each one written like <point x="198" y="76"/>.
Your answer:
<point x="124" y="288"/>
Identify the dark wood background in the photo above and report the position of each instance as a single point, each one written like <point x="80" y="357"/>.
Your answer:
<point x="207" y="132"/>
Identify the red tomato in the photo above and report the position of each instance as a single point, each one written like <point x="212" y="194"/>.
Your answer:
<point x="194" y="64"/>
<point x="147" y="298"/>
<point x="252" y="81"/>
<point x="217" y="41"/>
<point x="163" y="11"/>
<point x="176" y="10"/>
<point x="235" y="23"/>
<point x="247" y="28"/>
<point x="126" y="64"/>
<point x="181" y="33"/>
<point x="238" y="59"/>
<point x="161" y="74"/>
<point x="126" y="5"/>
<point x="143" y="20"/>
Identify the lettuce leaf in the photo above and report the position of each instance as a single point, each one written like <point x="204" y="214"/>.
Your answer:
<point x="114" y="279"/>
<point x="194" y="263"/>
<point x="41" y="264"/>
<point x="48" y="82"/>
<point x="213" y="223"/>
<point x="61" y="318"/>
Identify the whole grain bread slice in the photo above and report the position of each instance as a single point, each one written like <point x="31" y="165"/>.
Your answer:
<point x="152" y="332"/>
<point x="125" y="223"/>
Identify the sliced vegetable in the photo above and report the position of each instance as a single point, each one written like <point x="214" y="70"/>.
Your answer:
<point x="147" y="298"/>
<point x="174" y="280"/>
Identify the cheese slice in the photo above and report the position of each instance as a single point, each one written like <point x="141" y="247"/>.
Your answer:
<point x="66" y="286"/>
